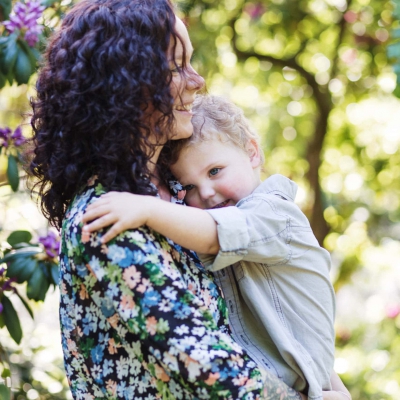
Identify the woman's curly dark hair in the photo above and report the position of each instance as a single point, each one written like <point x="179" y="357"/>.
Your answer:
<point x="105" y="73"/>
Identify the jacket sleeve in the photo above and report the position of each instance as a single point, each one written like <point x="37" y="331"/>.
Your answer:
<point x="135" y="281"/>
<point x="258" y="229"/>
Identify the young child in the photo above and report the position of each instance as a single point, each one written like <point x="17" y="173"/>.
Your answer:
<point x="274" y="274"/>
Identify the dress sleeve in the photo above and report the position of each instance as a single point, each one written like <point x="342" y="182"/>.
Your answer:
<point x="256" y="230"/>
<point x="136" y="282"/>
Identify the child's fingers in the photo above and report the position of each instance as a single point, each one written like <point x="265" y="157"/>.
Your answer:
<point x="93" y="213"/>
<point x="98" y="203"/>
<point x="99" y="223"/>
<point x="114" y="231"/>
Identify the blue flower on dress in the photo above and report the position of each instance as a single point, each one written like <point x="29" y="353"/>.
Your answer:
<point x="116" y="253"/>
<point x="182" y="311"/>
<point x="151" y="298"/>
<point x="89" y="325"/>
<point x="108" y="367"/>
<point x="66" y="321"/>
<point x="107" y="307"/>
<point x="97" y="354"/>
<point x="82" y="270"/>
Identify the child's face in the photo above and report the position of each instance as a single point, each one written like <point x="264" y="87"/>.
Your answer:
<point x="217" y="174"/>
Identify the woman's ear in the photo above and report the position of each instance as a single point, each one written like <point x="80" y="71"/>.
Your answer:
<point x="253" y="150"/>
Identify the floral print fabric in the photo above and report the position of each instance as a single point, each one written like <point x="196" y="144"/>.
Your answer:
<point x="142" y="319"/>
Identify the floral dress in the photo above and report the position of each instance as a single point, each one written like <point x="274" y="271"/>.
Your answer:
<point x="142" y="319"/>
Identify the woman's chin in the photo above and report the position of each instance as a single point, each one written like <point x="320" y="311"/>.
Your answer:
<point x="182" y="132"/>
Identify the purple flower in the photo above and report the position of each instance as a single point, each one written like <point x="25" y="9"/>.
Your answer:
<point x="51" y="244"/>
<point x="7" y="137"/>
<point x="7" y="284"/>
<point x="255" y="10"/>
<point x="24" y="19"/>
<point x="18" y="137"/>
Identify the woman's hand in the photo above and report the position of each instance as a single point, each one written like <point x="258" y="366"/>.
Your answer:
<point x="336" y="395"/>
<point x="339" y="391"/>
<point x="121" y="210"/>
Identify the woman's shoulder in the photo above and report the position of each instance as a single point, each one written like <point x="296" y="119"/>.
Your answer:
<point x="85" y="195"/>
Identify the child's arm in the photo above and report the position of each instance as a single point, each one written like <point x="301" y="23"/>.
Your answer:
<point x="190" y="227"/>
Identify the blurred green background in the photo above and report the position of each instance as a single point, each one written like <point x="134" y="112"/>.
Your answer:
<point x="318" y="81"/>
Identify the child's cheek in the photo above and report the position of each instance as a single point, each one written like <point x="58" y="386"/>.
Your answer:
<point x="193" y="201"/>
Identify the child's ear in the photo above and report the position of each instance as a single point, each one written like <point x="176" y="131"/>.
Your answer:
<point x="253" y="150"/>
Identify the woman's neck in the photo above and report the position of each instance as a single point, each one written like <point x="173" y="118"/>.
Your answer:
<point x="155" y="177"/>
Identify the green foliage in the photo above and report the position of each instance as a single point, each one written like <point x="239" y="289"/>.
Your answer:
<point x="393" y="50"/>
<point x="5" y="9"/>
<point x="18" y="61"/>
<point x="11" y="320"/>
<point x="27" y="263"/>
<point x="4" y="392"/>
<point x="18" y="237"/>
<point x="13" y="173"/>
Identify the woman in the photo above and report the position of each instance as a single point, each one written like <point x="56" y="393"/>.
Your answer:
<point x="140" y="317"/>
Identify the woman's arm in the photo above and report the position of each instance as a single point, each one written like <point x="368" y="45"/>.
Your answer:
<point x="190" y="227"/>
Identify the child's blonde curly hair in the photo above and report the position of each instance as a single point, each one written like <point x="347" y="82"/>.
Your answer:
<point x="216" y="117"/>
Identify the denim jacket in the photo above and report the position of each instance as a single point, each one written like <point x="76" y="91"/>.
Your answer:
<point x="275" y="279"/>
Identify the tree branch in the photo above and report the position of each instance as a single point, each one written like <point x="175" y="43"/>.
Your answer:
<point x="342" y="30"/>
<point x="323" y="103"/>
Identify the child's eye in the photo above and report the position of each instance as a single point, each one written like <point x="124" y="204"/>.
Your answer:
<point x="188" y="187"/>
<point x="214" y="171"/>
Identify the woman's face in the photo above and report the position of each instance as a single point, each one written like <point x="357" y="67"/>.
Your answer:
<point x="185" y="83"/>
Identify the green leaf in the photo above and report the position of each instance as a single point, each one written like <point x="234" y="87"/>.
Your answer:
<point x="22" y="68"/>
<point x="19" y="237"/>
<point x="1" y="321"/>
<point x="9" y="54"/>
<point x="11" y="320"/>
<point x="48" y="3"/>
<point x="20" y="253"/>
<point x="6" y="373"/>
<point x="25" y="303"/>
<point x="54" y="270"/>
<point x="32" y="55"/>
<point x="5" y="6"/>
<point x="3" y="41"/>
<point x="12" y="173"/>
<point x="4" y="392"/>
<point x="396" y="91"/>
<point x="22" y="269"/>
<point x="3" y="80"/>
<point x="21" y="245"/>
<point x="38" y="285"/>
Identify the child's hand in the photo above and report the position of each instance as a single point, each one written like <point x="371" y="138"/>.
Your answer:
<point x="121" y="210"/>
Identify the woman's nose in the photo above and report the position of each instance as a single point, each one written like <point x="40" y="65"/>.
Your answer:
<point x="194" y="81"/>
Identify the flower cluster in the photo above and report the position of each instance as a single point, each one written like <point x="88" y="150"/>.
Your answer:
<point x="51" y="244"/>
<point x="7" y="137"/>
<point x="24" y="19"/>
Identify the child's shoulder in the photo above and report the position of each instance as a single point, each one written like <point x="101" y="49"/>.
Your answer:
<point x="278" y="185"/>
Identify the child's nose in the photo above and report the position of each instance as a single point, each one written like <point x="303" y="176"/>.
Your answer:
<point x="206" y="192"/>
